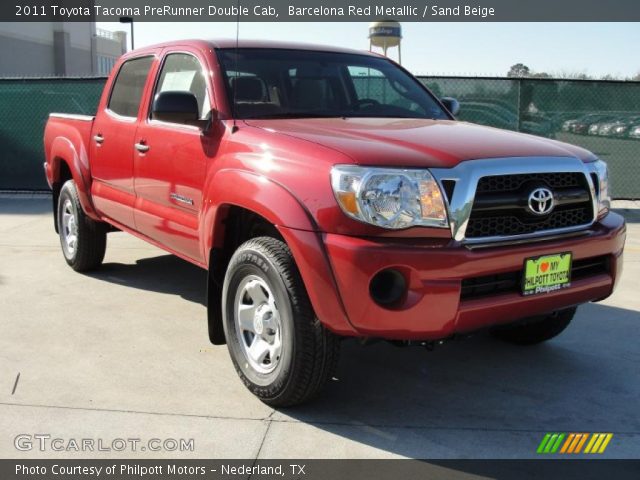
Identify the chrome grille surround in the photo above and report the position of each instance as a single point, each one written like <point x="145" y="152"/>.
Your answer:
<point x="467" y="174"/>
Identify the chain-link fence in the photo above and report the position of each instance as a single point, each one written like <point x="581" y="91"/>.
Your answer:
<point x="25" y="105"/>
<point x="602" y="116"/>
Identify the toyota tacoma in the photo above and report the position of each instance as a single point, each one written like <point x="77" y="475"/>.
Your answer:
<point x="330" y="194"/>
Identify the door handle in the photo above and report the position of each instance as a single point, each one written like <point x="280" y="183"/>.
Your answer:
<point x="141" y="147"/>
<point x="98" y="138"/>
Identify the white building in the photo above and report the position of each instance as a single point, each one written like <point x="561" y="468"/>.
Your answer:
<point x="109" y="46"/>
<point x="58" y="49"/>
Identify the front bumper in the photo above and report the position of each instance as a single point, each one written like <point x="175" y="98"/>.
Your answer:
<point x="435" y="269"/>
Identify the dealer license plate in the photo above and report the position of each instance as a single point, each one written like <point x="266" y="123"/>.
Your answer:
<point x="547" y="273"/>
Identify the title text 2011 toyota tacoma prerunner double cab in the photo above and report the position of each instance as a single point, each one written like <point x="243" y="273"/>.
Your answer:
<point x="329" y="194"/>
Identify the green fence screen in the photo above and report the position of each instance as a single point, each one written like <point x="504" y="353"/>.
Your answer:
<point x="602" y="116"/>
<point x="24" y="108"/>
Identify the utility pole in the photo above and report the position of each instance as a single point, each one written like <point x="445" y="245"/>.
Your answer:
<point x="129" y="20"/>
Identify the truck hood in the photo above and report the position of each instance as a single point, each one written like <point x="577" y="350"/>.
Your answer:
<point x="417" y="142"/>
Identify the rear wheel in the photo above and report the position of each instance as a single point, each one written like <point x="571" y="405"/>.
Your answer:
<point x="83" y="240"/>
<point x="535" y="329"/>
<point x="281" y="351"/>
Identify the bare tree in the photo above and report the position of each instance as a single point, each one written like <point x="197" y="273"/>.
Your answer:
<point x="569" y="75"/>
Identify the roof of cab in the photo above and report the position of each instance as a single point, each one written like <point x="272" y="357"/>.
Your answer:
<point x="231" y="43"/>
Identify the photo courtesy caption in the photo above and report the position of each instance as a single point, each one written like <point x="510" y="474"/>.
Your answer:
<point x="121" y="469"/>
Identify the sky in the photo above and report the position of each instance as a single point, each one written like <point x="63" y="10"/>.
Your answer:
<point x="484" y="49"/>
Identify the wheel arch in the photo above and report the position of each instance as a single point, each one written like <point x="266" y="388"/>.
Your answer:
<point x="66" y="163"/>
<point x="239" y="199"/>
<point x="231" y="188"/>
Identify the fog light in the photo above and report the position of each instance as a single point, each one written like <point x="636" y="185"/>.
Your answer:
<point x="388" y="287"/>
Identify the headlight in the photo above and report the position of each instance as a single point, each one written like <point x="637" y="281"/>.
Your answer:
<point x="389" y="198"/>
<point x="602" y="187"/>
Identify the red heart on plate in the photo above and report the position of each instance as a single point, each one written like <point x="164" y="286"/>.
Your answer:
<point x="544" y="266"/>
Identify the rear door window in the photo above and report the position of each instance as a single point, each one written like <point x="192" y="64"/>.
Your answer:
<point x="128" y="87"/>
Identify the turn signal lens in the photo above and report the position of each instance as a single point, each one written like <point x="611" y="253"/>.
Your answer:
<point x="431" y="202"/>
<point x="348" y="202"/>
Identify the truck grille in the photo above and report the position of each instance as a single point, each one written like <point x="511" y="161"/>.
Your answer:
<point x="506" y="183"/>
<point x="501" y="208"/>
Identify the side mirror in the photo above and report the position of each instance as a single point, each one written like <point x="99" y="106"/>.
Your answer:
<point x="451" y="104"/>
<point x="175" y="107"/>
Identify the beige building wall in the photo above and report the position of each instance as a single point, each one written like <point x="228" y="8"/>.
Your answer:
<point x="109" y="46"/>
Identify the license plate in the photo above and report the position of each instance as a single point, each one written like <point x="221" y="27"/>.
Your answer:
<point x="547" y="273"/>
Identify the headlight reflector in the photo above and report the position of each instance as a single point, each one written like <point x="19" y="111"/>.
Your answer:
<point x="389" y="198"/>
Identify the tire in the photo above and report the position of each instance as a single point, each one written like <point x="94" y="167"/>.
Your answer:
<point x="536" y="329"/>
<point x="82" y="239"/>
<point x="281" y="351"/>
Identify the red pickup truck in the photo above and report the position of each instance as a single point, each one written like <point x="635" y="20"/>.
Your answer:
<point x="329" y="194"/>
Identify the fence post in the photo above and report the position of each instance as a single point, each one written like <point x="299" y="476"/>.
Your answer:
<point x="519" y="104"/>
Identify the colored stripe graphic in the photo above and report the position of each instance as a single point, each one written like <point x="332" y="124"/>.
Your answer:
<point x="556" y="445"/>
<point x="568" y="442"/>
<point x="551" y="442"/>
<point x="581" y="443"/>
<point x="572" y="443"/>
<point x="576" y="444"/>
<point x="605" y="443"/>
<point x="596" y="446"/>
<point x="598" y="443"/>
<point x="543" y="443"/>
<point x="594" y="437"/>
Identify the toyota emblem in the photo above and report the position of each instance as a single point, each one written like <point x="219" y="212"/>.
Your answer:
<point x="541" y="201"/>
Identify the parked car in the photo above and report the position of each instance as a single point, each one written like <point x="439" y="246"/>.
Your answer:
<point x="496" y="115"/>
<point x="603" y="127"/>
<point x="634" y="131"/>
<point x="321" y="212"/>
<point x="583" y="125"/>
<point x="620" y="127"/>
<point x="490" y="114"/>
<point x="537" y="124"/>
<point x="567" y="125"/>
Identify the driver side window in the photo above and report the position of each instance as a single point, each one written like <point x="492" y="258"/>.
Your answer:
<point x="183" y="72"/>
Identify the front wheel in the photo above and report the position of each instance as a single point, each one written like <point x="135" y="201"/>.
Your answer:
<point x="281" y="351"/>
<point x="83" y="240"/>
<point x="536" y="329"/>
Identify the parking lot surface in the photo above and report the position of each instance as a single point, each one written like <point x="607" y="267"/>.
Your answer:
<point x="123" y="353"/>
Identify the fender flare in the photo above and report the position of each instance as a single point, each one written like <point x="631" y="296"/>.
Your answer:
<point x="63" y="150"/>
<point x="254" y="192"/>
<point x="279" y="206"/>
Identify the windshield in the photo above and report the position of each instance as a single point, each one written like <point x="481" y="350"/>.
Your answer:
<point x="279" y="83"/>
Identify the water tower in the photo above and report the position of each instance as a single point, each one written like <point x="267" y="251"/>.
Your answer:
<point x="385" y="34"/>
